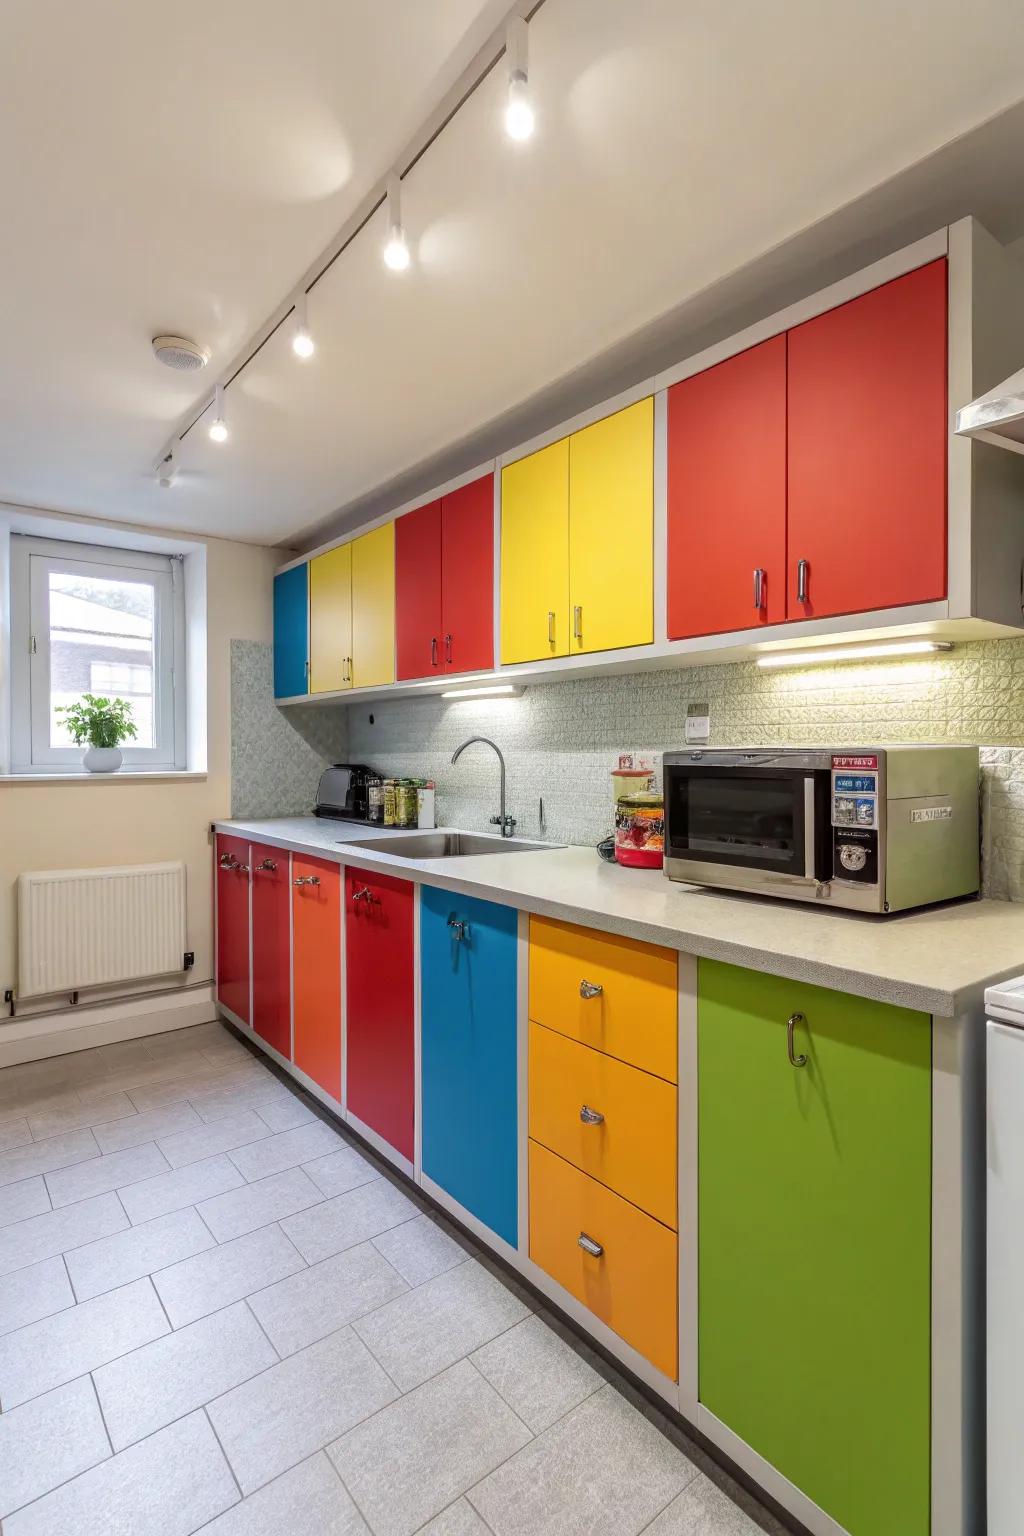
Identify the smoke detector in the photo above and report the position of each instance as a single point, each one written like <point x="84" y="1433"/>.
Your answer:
<point x="179" y="353"/>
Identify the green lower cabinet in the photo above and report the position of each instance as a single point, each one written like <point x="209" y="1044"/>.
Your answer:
<point x="815" y="1241"/>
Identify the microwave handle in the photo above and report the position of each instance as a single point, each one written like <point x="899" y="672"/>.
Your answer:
<point x="810" y="829"/>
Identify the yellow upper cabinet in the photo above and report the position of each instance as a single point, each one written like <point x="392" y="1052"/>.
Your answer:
<point x="330" y="620"/>
<point x="373" y="607"/>
<point x="535" y="555"/>
<point x="611" y="531"/>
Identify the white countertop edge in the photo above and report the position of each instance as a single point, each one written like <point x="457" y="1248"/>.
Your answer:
<point x="794" y="965"/>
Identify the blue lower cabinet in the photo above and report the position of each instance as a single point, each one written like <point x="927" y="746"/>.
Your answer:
<point x="469" y="1066"/>
<point x="291" y="632"/>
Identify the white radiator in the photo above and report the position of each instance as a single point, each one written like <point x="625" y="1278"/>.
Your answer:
<point x="91" y="927"/>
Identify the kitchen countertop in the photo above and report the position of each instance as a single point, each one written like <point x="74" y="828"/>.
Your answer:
<point x="937" y="960"/>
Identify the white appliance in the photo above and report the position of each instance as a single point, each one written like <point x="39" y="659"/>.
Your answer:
<point x="1004" y="1005"/>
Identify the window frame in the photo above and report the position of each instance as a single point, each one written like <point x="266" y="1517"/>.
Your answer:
<point x="31" y="561"/>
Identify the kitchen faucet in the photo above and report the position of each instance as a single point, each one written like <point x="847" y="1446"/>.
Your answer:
<point x="506" y="823"/>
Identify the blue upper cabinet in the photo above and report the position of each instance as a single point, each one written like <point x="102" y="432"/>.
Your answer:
<point x="469" y="1060"/>
<point x="291" y="632"/>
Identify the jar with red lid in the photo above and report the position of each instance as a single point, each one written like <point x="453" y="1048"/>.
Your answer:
<point x="640" y="830"/>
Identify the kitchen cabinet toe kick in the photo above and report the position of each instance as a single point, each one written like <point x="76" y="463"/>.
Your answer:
<point x="760" y="1197"/>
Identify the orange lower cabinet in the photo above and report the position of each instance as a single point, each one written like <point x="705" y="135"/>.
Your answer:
<point x="617" y="1261"/>
<point x="612" y="1121"/>
<point x="316" y="970"/>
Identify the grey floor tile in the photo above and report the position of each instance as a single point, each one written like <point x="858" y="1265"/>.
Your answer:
<point x="19" y="1201"/>
<point x="255" y="1089"/>
<point x="181" y="1187"/>
<point x="285" y="1114"/>
<point x="227" y="1053"/>
<point x="126" y="1256"/>
<point x="100" y="1174"/>
<point x="169" y="1485"/>
<point x="14" y="1133"/>
<point x="341" y="1171"/>
<point x="40" y="1237"/>
<point x="286" y="1149"/>
<point x="37" y="1101"/>
<point x="48" y="1441"/>
<point x="55" y="1122"/>
<point x="317" y="1301"/>
<point x="45" y="1156"/>
<point x="702" y="1509"/>
<point x="348" y="1219"/>
<point x="603" y="1470"/>
<point x="167" y="1090"/>
<point x="33" y="1293"/>
<point x="153" y="1386"/>
<point x="307" y="1501"/>
<point x="118" y="1134"/>
<point x="204" y="1140"/>
<point x="127" y="1080"/>
<point x="410" y="1461"/>
<point x="459" y="1519"/>
<point x="66" y="1345"/>
<point x="226" y="1273"/>
<point x="298" y="1407"/>
<point x="536" y="1372"/>
<point x="419" y="1250"/>
<point x="429" y="1328"/>
<point x="257" y="1205"/>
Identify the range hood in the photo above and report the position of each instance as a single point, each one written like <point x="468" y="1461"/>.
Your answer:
<point x="998" y="416"/>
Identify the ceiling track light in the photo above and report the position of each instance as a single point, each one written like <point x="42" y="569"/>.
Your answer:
<point x="874" y="652"/>
<point x="219" y="424"/>
<point x="302" y="341"/>
<point x="396" y="249"/>
<point x="519" y="115"/>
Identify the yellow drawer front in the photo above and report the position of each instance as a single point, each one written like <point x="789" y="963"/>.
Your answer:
<point x="632" y="1148"/>
<point x="634" y="1014"/>
<point x="632" y="1285"/>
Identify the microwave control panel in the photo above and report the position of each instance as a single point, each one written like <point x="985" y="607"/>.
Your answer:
<point x="855" y="818"/>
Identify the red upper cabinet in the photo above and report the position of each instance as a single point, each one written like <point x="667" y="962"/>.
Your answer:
<point x="380" y="1008"/>
<point x="271" y="948"/>
<point x="867" y="451"/>
<point x="419" y="633"/>
<point x="316" y="969"/>
<point x="467" y="576"/>
<point x="727" y="495"/>
<point x="232" y="855"/>
<point x="444" y="584"/>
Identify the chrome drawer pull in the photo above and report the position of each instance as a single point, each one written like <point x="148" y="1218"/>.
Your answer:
<point x="551" y="627"/>
<point x="228" y="861"/>
<point x="591" y="1116"/>
<point x="590" y="989"/>
<point x="791" y="1024"/>
<point x="268" y="864"/>
<point x="802" y="571"/>
<point x="759" y="588"/>
<point x="577" y="623"/>
<point x="589" y="1246"/>
<point x="306" y="880"/>
<point x="364" y="894"/>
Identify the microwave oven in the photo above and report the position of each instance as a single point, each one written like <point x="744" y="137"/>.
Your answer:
<point x="874" y="829"/>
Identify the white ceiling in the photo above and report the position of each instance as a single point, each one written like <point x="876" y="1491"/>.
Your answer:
<point x="181" y="169"/>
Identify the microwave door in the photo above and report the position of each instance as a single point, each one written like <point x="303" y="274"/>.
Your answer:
<point x="750" y="828"/>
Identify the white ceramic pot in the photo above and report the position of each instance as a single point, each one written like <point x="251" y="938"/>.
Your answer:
<point x="102" y="759"/>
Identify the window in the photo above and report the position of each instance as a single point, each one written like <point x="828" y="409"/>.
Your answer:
<point x="88" y="619"/>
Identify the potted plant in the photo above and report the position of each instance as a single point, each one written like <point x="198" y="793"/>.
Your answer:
<point x="103" y="724"/>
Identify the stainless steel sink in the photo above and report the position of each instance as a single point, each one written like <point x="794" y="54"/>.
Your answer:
<point x="445" y="845"/>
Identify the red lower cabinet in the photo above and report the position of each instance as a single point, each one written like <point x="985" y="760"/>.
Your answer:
<point x="316" y="951"/>
<point x="233" y="925"/>
<point x="379" y="1014"/>
<point x="271" y="948"/>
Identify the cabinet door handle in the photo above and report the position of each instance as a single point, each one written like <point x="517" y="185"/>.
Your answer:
<point x="590" y="1246"/>
<point x="433" y="650"/>
<point x="267" y="864"/>
<point x="577" y="622"/>
<point x="791" y="1024"/>
<point x="551" y="626"/>
<point x="590" y="989"/>
<point x="364" y="894"/>
<point x="243" y="869"/>
<point x="448" y="649"/>
<point x="459" y="928"/>
<point x="591" y="1116"/>
<point x="802" y="573"/>
<point x="306" y="880"/>
<point x="228" y="861"/>
<point x="759" y="586"/>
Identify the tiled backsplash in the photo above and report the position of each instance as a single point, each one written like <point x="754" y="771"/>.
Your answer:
<point x="561" y="740"/>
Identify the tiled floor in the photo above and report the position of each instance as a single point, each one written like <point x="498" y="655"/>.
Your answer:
<point x="218" y="1315"/>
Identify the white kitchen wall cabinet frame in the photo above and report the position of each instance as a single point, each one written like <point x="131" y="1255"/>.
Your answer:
<point x="985" y="488"/>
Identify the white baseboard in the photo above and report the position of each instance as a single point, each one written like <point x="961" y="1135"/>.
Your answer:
<point x="80" y="1028"/>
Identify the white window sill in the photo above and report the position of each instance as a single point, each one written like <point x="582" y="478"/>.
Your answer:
<point x="151" y="775"/>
